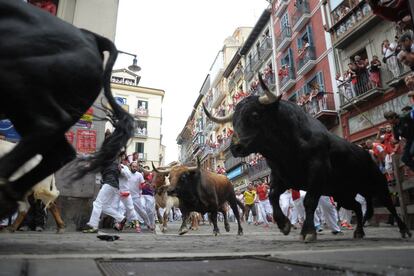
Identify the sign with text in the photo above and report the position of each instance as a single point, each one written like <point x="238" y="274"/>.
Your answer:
<point x="376" y="114"/>
<point x="86" y="119"/>
<point x="85" y="141"/>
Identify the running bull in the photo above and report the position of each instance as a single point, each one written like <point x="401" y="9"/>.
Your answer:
<point x="304" y="155"/>
<point x="203" y="191"/>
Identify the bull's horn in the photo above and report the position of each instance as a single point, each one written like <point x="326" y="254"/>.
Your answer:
<point x="160" y="170"/>
<point x="220" y="120"/>
<point x="193" y="168"/>
<point x="268" y="97"/>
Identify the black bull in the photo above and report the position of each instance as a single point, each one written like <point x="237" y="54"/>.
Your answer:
<point x="50" y="74"/>
<point x="304" y="155"/>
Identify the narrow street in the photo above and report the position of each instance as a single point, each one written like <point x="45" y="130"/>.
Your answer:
<point x="266" y="251"/>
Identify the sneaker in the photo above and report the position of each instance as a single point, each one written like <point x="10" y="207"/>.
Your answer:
<point x="39" y="229"/>
<point x="318" y="228"/>
<point x="24" y="228"/>
<point x="119" y="226"/>
<point x="346" y="225"/>
<point x="339" y="233"/>
<point x="90" y="230"/>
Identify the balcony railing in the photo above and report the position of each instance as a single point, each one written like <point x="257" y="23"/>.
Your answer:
<point x="352" y="24"/>
<point x="283" y="39"/>
<point x="363" y="89"/>
<point x="258" y="170"/>
<point x="141" y="132"/>
<point x="306" y="61"/>
<point x="323" y="101"/>
<point x="232" y="162"/>
<point x="265" y="48"/>
<point x="280" y="7"/>
<point x="288" y="80"/>
<point x="141" y="112"/>
<point x="218" y="96"/>
<point x="301" y="15"/>
<point x="248" y="72"/>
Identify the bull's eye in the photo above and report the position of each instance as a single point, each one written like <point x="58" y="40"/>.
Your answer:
<point x="255" y="115"/>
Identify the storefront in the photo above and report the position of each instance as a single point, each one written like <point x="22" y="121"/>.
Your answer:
<point x="238" y="178"/>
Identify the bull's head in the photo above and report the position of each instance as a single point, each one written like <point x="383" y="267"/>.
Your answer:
<point x="249" y="119"/>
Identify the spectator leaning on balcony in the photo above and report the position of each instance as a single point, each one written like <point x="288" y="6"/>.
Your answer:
<point x="362" y="75"/>
<point x="352" y="75"/>
<point x="403" y="126"/>
<point x="283" y="72"/>
<point x="406" y="55"/>
<point x="375" y="71"/>
<point x="390" y="57"/>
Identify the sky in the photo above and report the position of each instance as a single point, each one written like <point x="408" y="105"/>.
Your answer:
<point x="176" y="42"/>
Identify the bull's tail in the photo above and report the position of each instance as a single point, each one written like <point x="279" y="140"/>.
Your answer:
<point x="121" y="120"/>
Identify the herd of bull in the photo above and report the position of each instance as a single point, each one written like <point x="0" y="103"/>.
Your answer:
<point x="54" y="72"/>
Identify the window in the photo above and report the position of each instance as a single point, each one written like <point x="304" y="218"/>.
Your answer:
<point x="362" y="53"/>
<point x="50" y="6"/>
<point x="284" y="21"/>
<point x="141" y="128"/>
<point x="121" y="100"/>
<point x="139" y="147"/>
<point x="315" y="83"/>
<point x="142" y="104"/>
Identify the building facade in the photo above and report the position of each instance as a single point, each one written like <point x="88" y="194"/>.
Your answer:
<point x="304" y="58"/>
<point x="145" y="105"/>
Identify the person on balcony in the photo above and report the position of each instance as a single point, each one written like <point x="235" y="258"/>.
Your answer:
<point x="363" y="83"/>
<point x="390" y="57"/>
<point x="375" y="71"/>
<point x="302" y="51"/>
<point x="406" y="55"/>
<point x="283" y="72"/>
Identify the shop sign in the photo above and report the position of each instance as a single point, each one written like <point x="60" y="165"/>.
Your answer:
<point x="235" y="173"/>
<point x="376" y="114"/>
<point x="85" y="141"/>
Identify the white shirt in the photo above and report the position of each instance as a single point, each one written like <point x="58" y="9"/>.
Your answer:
<point x="129" y="181"/>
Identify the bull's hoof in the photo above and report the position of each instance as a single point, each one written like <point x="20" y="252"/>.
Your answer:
<point x="216" y="232"/>
<point x="182" y="231"/>
<point x="286" y="229"/>
<point x="227" y="227"/>
<point x="405" y="233"/>
<point x="60" y="230"/>
<point x="310" y="237"/>
<point x="163" y="229"/>
<point x="193" y="228"/>
<point x="301" y="237"/>
<point x="8" y="229"/>
<point x="240" y="232"/>
<point x="359" y="234"/>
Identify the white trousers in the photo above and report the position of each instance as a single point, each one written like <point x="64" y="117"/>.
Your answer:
<point x="329" y="213"/>
<point x="149" y="206"/>
<point x="104" y="204"/>
<point x="265" y="209"/>
<point x="140" y="209"/>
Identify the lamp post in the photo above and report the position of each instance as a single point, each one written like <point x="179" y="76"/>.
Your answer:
<point x="133" y="67"/>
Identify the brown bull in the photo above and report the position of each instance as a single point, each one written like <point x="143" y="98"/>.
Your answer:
<point x="203" y="191"/>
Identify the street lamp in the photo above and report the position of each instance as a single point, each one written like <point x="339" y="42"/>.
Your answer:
<point x="134" y="67"/>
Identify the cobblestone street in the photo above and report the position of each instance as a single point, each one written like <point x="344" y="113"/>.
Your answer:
<point x="381" y="252"/>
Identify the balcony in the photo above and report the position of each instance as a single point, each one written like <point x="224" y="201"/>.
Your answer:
<point x="248" y="72"/>
<point x="353" y="24"/>
<point x="322" y="107"/>
<point x="259" y="170"/>
<point x="280" y="7"/>
<point x="142" y="156"/>
<point x="306" y="60"/>
<point x="288" y="80"/>
<point x="283" y="39"/>
<point x="141" y="112"/>
<point x="218" y="97"/>
<point x="140" y="132"/>
<point x="265" y="48"/>
<point x="232" y="162"/>
<point x="301" y="16"/>
<point x="255" y="62"/>
<point x="364" y="90"/>
<point x="238" y="74"/>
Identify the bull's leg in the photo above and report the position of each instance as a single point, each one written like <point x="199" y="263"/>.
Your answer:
<point x="58" y="219"/>
<point x="20" y="218"/>
<point x="159" y="217"/>
<point x="52" y="160"/>
<point x="282" y="221"/>
<point x="387" y="201"/>
<point x="370" y="210"/>
<point x="216" y="230"/>
<point x="183" y="227"/>
<point x="356" y="207"/>
<point x="233" y="206"/>
<point x="308" y="232"/>
<point x="226" y="221"/>
<point x="165" y="218"/>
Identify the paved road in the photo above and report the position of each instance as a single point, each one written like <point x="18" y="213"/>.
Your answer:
<point x="381" y="252"/>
